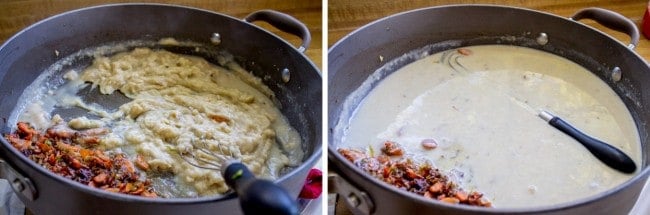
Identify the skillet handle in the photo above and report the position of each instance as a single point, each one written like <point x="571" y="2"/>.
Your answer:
<point x="285" y="23"/>
<point x="612" y="20"/>
<point x="357" y="200"/>
<point x="21" y="185"/>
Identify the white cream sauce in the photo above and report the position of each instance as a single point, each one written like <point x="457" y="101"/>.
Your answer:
<point x="484" y="119"/>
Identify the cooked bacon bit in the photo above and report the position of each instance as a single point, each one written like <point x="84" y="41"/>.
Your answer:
<point x="421" y="179"/>
<point x="18" y="143"/>
<point x="100" y="179"/>
<point x="429" y="144"/>
<point x="436" y="188"/>
<point x="51" y="159"/>
<point x="485" y="203"/>
<point x="461" y="195"/>
<point x="69" y="153"/>
<point x="386" y="172"/>
<point x="87" y="140"/>
<point x="219" y="118"/>
<point x="464" y="51"/>
<point x="44" y="145"/>
<point x="74" y="163"/>
<point x="84" y="137"/>
<point x="477" y="198"/>
<point x="126" y="168"/>
<point x="353" y="155"/>
<point x="392" y="149"/>
<point x="138" y="191"/>
<point x="450" y="200"/>
<point x="26" y="131"/>
<point x="94" y="132"/>
<point x="428" y="195"/>
<point x="130" y="187"/>
<point x="113" y="189"/>
<point x="148" y="194"/>
<point x="61" y="132"/>
<point x="383" y="159"/>
<point x="411" y="174"/>
<point x="140" y="163"/>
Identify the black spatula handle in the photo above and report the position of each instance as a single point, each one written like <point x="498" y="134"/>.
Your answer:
<point x="258" y="196"/>
<point x="608" y="154"/>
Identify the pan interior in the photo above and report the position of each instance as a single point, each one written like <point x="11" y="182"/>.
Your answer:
<point x="53" y="78"/>
<point x="349" y="106"/>
<point x="344" y="107"/>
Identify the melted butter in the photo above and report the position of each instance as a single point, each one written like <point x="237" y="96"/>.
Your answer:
<point x="483" y="116"/>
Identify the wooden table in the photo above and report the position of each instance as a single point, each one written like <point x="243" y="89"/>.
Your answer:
<point x="345" y="16"/>
<point x="18" y="14"/>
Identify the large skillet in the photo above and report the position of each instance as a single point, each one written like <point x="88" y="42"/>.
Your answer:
<point x="356" y="56"/>
<point x="30" y="52"/>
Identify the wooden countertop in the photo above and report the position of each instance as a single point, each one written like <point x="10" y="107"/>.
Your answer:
<point x="345" y="16"/>
<point x="18" y="14"/>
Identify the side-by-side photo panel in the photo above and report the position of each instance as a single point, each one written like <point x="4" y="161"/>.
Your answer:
<point x="241" y="107"/>
<point x="484" y="107"/>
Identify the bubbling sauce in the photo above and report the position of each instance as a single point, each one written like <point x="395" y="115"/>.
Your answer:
<point x="480" y="105"/>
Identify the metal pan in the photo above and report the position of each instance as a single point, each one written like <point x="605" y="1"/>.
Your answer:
<point x="30" y="52"/>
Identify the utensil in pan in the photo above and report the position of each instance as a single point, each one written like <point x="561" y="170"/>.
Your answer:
<point x="608" y="154"/>
<point x="256" y="196"/>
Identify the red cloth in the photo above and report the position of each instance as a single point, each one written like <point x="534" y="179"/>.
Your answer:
<point x="313" y="185"/>
<point x="645" y="26"/>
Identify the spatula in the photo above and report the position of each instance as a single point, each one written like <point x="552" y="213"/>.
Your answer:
<point x="608" y="154"/>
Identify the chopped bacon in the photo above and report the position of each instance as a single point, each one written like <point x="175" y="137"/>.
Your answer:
<point x="464" y="51"/>
<point x="141" y="163"/>
<point x="219" y="118"/>
<point x="70" y="153"/>
<point x="392" y="149"/>
<point x="405" y="174"/>
<point x="352" y="155"/>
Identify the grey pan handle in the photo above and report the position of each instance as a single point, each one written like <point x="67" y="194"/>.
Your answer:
<point x="285" y="23"/>
<point x="357" y="200"/>
<point x="20" y="184"/>
<point x="612" y="20"/>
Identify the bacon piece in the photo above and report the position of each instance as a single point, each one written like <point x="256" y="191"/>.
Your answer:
<point x="392" y="149"/>
<point x="70" y="153"/>
<point x="405" y="174"/>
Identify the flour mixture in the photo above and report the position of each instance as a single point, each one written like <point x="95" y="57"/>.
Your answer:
<point x="177" y="104"/>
